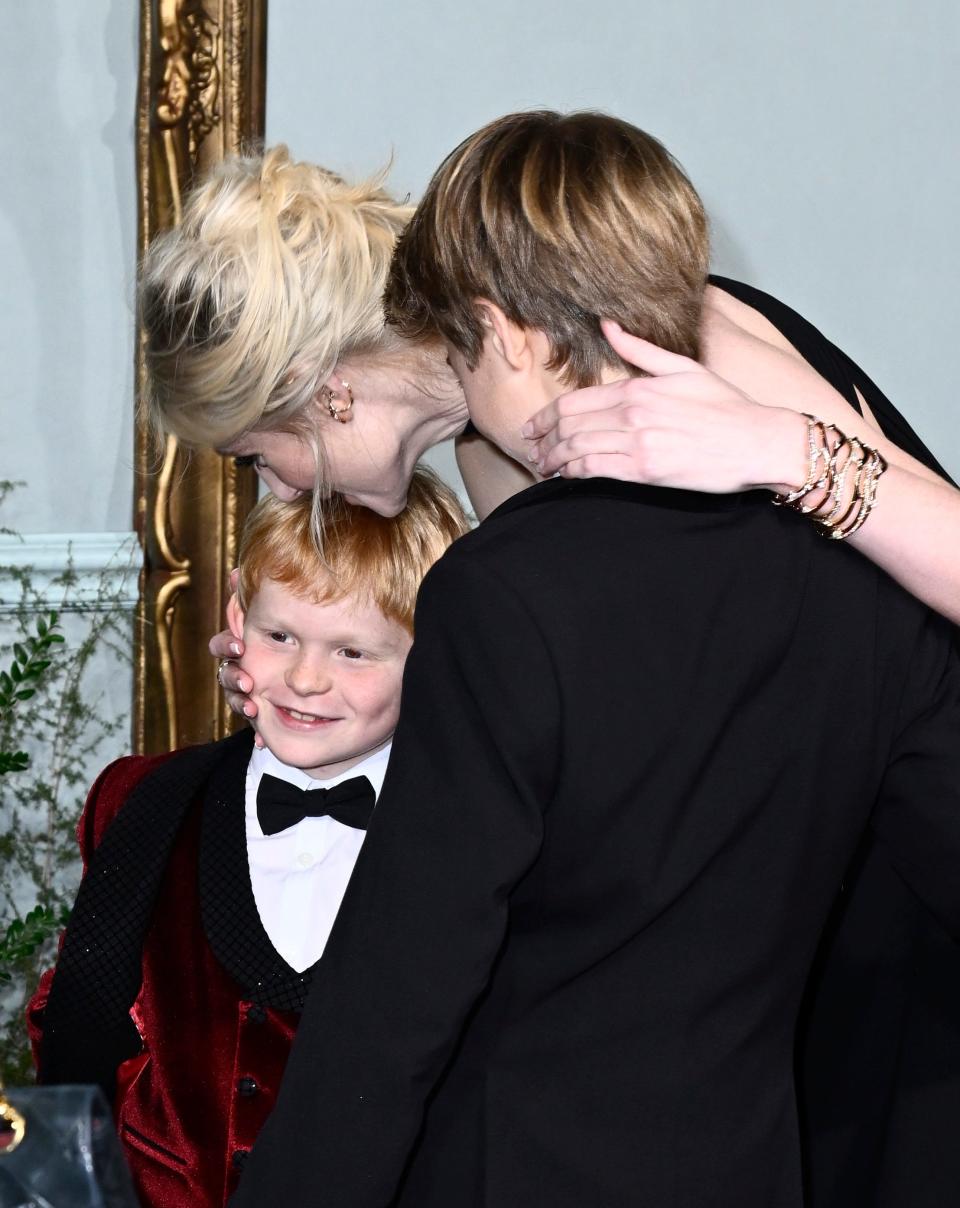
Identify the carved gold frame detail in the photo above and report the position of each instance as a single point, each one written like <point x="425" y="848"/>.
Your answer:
<point x="201" y="97"/>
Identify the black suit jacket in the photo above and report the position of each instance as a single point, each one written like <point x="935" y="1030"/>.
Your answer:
<point x="641" y="736"/>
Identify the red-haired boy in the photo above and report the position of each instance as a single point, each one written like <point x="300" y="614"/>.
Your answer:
<point x="213" y="876"/>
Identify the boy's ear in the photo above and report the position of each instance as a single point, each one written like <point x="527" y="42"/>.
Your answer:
<point x="235" y="617"/>
<point x="510" y="341"/>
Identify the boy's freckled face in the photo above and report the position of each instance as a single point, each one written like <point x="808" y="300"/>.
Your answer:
<point x="326" y="677"/>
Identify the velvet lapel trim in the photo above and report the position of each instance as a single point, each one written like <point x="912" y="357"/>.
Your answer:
<point x="87" y="1027"/>
<point x="228" y="908"/>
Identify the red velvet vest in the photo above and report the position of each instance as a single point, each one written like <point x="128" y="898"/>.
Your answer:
<point x="190" y="1105"/>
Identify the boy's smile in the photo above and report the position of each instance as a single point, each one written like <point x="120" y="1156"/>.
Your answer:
<point x="326" y="676"/>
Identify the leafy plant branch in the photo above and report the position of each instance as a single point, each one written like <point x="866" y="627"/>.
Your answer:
<point x="53" y="727"/>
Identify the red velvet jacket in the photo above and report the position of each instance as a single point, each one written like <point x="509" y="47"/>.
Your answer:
<point x="190" y="1104"/>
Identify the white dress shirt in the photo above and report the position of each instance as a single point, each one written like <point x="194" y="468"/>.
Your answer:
<point x="300" y="874"/>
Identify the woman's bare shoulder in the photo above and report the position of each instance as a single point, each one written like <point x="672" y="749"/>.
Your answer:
<point x="743" y="346"/>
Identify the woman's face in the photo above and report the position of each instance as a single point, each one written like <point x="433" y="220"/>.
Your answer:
<point x="285" y="462"/>
<point x="368" y="459"/>
<point x="366" y="472"/>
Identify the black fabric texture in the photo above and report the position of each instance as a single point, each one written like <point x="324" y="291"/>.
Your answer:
<point x="99" y="968"/>
<point x="231" y="920"/>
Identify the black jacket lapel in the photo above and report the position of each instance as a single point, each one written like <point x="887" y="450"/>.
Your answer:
<point x="231" y="920"/>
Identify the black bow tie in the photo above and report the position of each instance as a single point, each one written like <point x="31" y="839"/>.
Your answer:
<point x="281" y="804"/>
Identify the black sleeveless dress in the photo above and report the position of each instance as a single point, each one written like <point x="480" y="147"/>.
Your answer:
<point x="879" y="1042"/>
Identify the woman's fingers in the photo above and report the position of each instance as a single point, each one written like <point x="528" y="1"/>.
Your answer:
<point x="681" y="426"/>
<point x="225" y="645"/>
<point x="234" y="680"/>
<point x="241" y="704"/>
<point x="608" y="441"/>
<point x="236" y="685"/>
<point x="612" y="418"/>
<point x="579" y="402"/>
<point x="642" y="354"/>
<point x="598" y="465"/>
<point x="228" y="648"/>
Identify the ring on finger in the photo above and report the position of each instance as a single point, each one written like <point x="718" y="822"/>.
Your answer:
<point x="223" y="663"/>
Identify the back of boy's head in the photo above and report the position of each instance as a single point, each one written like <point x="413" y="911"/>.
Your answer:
<point x="375" y="559"/>
<point x="561" y="220"/>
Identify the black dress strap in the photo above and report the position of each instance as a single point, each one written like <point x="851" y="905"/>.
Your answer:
<point x="834" y="366"/>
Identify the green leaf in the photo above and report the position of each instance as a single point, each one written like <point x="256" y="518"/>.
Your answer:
<point x="15" y="673"/>
<point x="5" y="682"/>
<point x="13" y="761"/>
<point x="21" y="653"/>
<point x="25" y="694"/>
<point x="41" y="626"/>
<point x="56" y="637"/>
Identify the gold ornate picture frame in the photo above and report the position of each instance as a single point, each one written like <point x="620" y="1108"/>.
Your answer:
<point x="201" y="96"/>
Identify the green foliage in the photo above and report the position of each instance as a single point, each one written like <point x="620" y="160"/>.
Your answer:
<point x="24" y="936"/>
<point x="53" y="733"/>
<point x="25" y="673"/>
<point x="6" y="488"/>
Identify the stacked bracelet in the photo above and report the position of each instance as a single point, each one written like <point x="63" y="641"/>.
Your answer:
<point x="842" y="474"/>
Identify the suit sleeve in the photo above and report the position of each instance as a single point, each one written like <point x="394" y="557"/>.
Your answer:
<point x="107" y="794"/>
<point x="917" y="815"/>
<point x="459" y="823"/>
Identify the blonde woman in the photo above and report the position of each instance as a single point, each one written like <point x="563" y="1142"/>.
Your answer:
<point x="267" y="340"/>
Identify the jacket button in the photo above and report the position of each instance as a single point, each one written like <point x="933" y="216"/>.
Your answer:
<point x="256" y="1014"/>
<point x="246" y="1087"/>
<point x="238" y="1157"/>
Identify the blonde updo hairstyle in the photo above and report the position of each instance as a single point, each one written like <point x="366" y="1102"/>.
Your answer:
<point x="274" y="275"/>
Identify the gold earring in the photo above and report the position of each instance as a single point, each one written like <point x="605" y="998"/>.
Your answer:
<point x="340" y="414"/>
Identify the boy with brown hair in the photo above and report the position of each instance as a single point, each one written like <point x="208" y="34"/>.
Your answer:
<point x="213" y="875"/>
<point x="626" y="781"/>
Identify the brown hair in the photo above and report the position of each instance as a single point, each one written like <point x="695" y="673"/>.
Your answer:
<point x="560" y="220"/>
<point x="378" y="559"/>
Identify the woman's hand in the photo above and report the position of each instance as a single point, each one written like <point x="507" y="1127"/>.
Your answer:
<point x="682" y="426"/>
<point x="236" y="684"/>
<point x="685" y="427"/>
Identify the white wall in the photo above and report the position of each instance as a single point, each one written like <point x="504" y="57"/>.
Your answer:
<point x="67" y="256"/>
<point x="67" y="252"/>
<point x="821" y="134"/>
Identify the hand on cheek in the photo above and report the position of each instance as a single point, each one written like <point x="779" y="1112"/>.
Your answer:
<point x="235" y="679"/>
